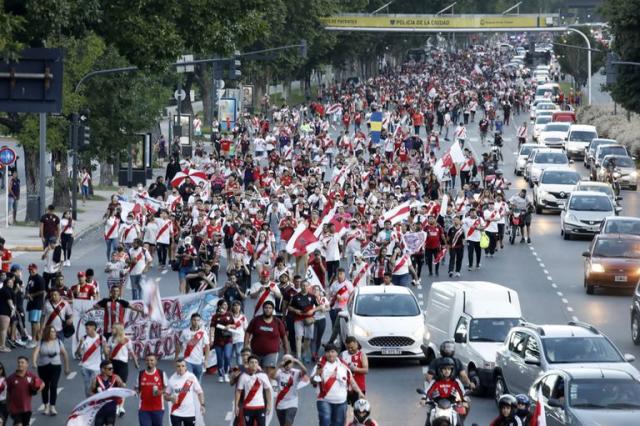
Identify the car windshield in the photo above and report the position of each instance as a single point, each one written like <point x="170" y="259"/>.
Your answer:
<point x="611" y="150"/>
<point x="603" y="393"/>
<point x="590" y="203"/>
<point x="556" y="127"/>
<point x="543" y="119"/>
<point x="387" y="305"/>
<point x="551" y="158"/>
<point x="560" y="178"/>
<point x="491" y="329"/>
<point x="526" y="150"/>
<point x="617" y="248"/>
<point x="546" y="106"/>
<point x="605" y="189"/>
<point x="576" y="350"/>
<point x="622" y="227"/>
<point x="582" y="136"/>
<point x="619" y="162"/>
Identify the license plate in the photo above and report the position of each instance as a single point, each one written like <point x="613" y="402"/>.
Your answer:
<point x="391" y="351"/>
<point x="621" y="278"/>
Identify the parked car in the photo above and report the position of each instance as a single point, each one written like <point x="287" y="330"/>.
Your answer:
<point x="620" y="225"/>
<point x="579" y="137"/>
<point x="624" y="166"/>
<point x="531" y="350"/>
<point x="553" y="189"/>
<point x="612" y="261"/>
<point x="386" y="320"/>
<point x="590" y="150"/>
<point x="477" y="315"/>
<point x="553" y="134"/>
<point x="521" y="157"/>
<point x="587" y="396"/>
<point x="564" y="117"/>
<point x="584" y="212"/>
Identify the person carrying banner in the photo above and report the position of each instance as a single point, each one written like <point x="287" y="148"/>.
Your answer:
<point x="184" y="392"/>
<point x="114" y="310"/>
<point x="256" y="388"/>
<point x="107" y="379"/>
<point x="287" y="378"/>
<point x="193" y="346"/>
<point x="150" y="386"/>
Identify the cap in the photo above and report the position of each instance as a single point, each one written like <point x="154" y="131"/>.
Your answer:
<point x="33" y="266"/>
<point x="81" y="274"/>
<point x="187" y="240"/>
<point x="16" y="267"/>
<point x="264" y="273"/>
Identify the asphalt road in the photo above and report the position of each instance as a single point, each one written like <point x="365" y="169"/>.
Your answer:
<point x="547" y="275"/>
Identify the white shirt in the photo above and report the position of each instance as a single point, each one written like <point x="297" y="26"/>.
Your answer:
<point x="338" y="392"/>
<point x="401" y="266"/>
<point x="197" y="354"/>
<point x="93" y="362"/>
<point x="468" y="223"/>
<point x="164" y="237"/>
<point x="290" y="399"/>
<point x="176" y="384"/>
<point x="492" y="216"/>
<point x="332" y="247"/>
<point x="139" y="258"/>
<point x="150" y="232"/>
<point x="63" y="226"/>
<point x="129" y="232"/>
<point x="123" y="352"/>
<point x="57" y="320"/>
<point x="245" y="383"/>
<point x="273" y="294"/>
<point x="241" y="322"/>
<point x="338" y="296"/>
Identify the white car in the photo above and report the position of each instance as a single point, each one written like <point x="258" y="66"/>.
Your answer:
<point x="553" y="189"/>
<point x="543" y="158"/>
<point x="545" y="105"/>
<point x="387" y="321"/>
<point x="584" y="212"/>
<point x="603" y="187"/>
<point x="541" y="121"/>
<point x="547" y="92"/>
<point x="579" y="137"/>
<point x="521" y="157"/>
<point x="553" y="134"/>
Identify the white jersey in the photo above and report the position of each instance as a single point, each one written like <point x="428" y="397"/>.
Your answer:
<point x="91" y="360"/>
<point x="139" y="259"/>
<point x="186" y="385"/>
<point x="56" y="316"/>
<point x="241" y="322"/>
<point x="402" y="264"/>
<point x="332" y="247"/>
<point x="123" y="350"/>
<point x="360" y="274"/>
<point x="111" y="228"/>
<point x="164" y="231"/>
<point x="129" y="232"/>
<point x="287" y="388"/>
<point x="471" y="231"/>
<point x="271" y="296"/>
<point x="491" y="218"/>
<point x="246" y="382"/>
<point x="150" y="232"/>
<point x="193" y="346"/>
<point x="340" y="375"/>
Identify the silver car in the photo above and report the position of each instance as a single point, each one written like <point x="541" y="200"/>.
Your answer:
<point x="583" y="213"/>
<point x="531" y="350"/>
<point x="522" y="155"/>
<point x="624" y="166"/>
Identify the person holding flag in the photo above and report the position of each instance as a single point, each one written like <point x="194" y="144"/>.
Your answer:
<point x="107" y="379"/>
<point x="184" y="392"/>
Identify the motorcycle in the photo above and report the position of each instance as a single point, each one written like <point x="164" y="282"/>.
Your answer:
<point x="515" y="222"/>
<point x="443" y="411"/>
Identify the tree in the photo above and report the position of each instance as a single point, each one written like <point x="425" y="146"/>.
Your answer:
<point x="623" y="17"/>
<point x="573" y="60"/>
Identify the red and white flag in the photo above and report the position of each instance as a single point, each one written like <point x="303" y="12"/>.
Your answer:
<point x="312" y="277"/>
<point x="464" y="81"/>
<point x="440" y="256"/>
<point x="302" y="241"/>
<point x="332" y="109"/>
<point x="539" y="418"/>
<point x="85" y="413"/>
<point x="398" y="213"/>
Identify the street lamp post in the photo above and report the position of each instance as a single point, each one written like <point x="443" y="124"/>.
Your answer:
<point x="586" y="39"/>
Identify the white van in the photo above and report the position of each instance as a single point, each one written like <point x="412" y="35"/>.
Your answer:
<point x="477" y="315"/>
<point x="578" y="138"/>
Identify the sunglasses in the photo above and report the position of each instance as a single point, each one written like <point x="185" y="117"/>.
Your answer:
<point x="109" y="368"/>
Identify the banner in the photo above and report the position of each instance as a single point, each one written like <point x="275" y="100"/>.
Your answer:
<point x="146" y="335"/>
<point x="418" y="21"/>
<point x="413" y="241"/>
<point x="84" y="413"/>
<point x="376" y="126"/>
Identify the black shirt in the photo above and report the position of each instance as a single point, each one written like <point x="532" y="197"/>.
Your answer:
<point x="50" y="224"/>
<point x="6" y="295"/>
<point x="35" y="284"/>
<point x="157" y="190"/>
<point x="303" y="302"/>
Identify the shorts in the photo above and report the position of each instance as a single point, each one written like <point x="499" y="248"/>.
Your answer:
<point x="35" y="315"/>
<point x="301" y="329"/>
<point x="184" y="271"/>
<point x="23" y="418"/>
<point x="268" y="359"/>
<point x="286" y="416"/>
<point x="527" y="219"/>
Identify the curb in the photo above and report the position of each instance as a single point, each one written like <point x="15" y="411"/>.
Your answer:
<point x="38" y="248"/>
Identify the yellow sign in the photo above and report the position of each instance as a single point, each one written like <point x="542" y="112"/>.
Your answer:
<point x="436" y="22"/>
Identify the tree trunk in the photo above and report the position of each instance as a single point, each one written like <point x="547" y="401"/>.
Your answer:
<point x="106" y="173"/>
<point x="186" y="107"/>
<point x="61" y="181"/>
<point x="203" y="78"/>
<point x="32" y="174"/>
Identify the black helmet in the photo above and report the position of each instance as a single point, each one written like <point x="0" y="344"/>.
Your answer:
<point x="508" y="400"/>
<point x="447" y="348"/>
<point x="361" y="410"/>
<point x="523" y="399"/>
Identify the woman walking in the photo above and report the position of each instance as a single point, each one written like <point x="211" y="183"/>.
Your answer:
<point x="48" y="358"/>
<point x="237" y="339"/>
<point x="120" y="350"/>
<point x="222" y="326"/>
<point x="66" y="236"/>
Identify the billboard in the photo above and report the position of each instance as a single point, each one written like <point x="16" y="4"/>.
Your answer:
<point x="444" y="22"/>
<point x="227" y="113"/>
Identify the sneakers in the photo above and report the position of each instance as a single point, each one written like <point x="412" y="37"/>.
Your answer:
<point x="457" y="274"/>
<point x="478" y="266"/>
<point x="226" y="377"/>
<point x="528" y="240"/>
<point x="220" y="379"/>
<point x="53" y="412"/>
<point x="43" y="408"/>
<point x="522" y="240"/>
<point x="5" y="349"/>
<point x="450" y="274"/>
<point x="31" y="344"/>
<point x="21" y="343"/>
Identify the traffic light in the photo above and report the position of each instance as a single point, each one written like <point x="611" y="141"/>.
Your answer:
<point x="84" y="136"/>
<point x="303" y="49"/>
<point x="611" y="69"/>
<point x="234" y="69"/>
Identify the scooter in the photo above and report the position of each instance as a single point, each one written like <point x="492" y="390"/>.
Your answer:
<point x="443" y="411"/>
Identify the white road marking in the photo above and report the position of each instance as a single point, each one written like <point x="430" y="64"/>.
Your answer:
<point x="164" y="271"/>
<point x="569" y="308"/>
<point x="534" y="253"/>
<point x="541" y="264"/>
<point x="229" y="416"/>
<point x="546" y="272"/>
<point x="564" y="300"/>
<point x="554" y="285"/>
<point x="549" y="278"/>
<point x="559" y="293"/>
<point x="575" y="318"/>
<point x="72" y="375"/>
<point x="420" y="296"/>
<point x="59" y="390"/>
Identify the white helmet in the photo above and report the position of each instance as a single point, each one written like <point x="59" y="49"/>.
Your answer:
<point x="361" y="410"/>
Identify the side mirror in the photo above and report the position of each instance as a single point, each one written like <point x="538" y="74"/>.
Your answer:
<point x="554" y="402"/>
<point x="629" y="358"/>
<point x="531" y="360"/>
<point x="586" y="254"/>
<point x="460" y="337"/>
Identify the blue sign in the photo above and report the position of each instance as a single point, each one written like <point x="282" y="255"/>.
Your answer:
<point x="7" y="156"/>
<point x="376" y="126"/>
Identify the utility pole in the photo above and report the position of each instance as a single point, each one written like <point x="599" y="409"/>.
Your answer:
<point x="43" y="162"/>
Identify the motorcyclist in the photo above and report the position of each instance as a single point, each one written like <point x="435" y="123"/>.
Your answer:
<point x="488" y="165"/>
<point x="498" y="142"/>
<point x="523" y="412"/>
<point x="448" y="350"/>
<point x="507" y="404"/>
<point x="523" y="203"/>
<point x="446" y="385"/>
<point x="361" y="414"/>
<point x="500" y="183"/>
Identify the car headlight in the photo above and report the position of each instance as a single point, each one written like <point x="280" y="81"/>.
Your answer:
<point x="360" y="332"/>
<point x="597" y="267"/>
<point x="634" y="174"/>
<point x="418" y="334"/>
<point x="571" y="218"/>
<point x="542" y="193"/>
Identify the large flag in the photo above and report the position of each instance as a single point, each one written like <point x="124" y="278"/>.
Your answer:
<point x="539" y="418"/>
<point x="370" y="250"/>
<point x="152" y="300"/>
<point x="332" y="109"/>
<point x="454" y="156"/>
<point x="444" y="204"/>
<point x="413" y="241"/>
<point x="84" y="413"/>
<point x="398" y="213"/>
<point x="312" y="277"/>
<point x="376" y="126"/>
<point x="302" y="241"/>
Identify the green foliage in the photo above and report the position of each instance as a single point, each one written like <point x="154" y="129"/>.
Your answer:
<point x="573" y="61"/>
<point x="623" y="17"/>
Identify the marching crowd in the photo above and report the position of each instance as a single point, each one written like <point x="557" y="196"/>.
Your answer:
<point x="363" y="186"/>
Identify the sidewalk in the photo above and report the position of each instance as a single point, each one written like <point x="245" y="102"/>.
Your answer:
<point x="25" y="237"/>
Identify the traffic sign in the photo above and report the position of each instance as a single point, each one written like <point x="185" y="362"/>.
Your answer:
<point x="179" y="95"/>
<point x="7" y="156"/>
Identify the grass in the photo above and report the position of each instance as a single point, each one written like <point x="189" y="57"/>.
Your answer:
<point x="565" y="87"/>
<point x="105" y="188"/>
<point x="96" y="197"/>
<point x="296" y="97"/>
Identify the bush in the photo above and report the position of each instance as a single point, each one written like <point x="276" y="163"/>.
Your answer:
<point x="613" y="126"/>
